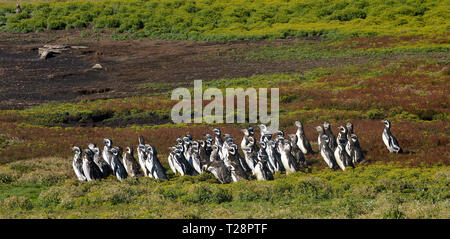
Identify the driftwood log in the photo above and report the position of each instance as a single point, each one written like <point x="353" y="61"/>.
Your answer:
<point x="49" y="50"/>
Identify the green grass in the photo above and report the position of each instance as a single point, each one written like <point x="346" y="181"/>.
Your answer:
<point x="236" y="19"/>
<point x="375" y="191"/>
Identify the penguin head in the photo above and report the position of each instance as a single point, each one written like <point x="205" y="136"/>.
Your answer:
<point x="201" y="143"/>
<point x="293" y="137"/>
<point x="263" y="145"/>
<point x="232" y="149"/>
<point x="387" y="123"/>
<point x="251" y="141"/>
<point x="141" y="140"/>
<point x="349" y="126"/>
<point x="325" y="138"/>
<point x="186" y="140"/>
<point x="326" y="125"/>
<point x="342" y="141"/>
<point x="189" y="136"/>
<point x="320" y="129"/>
<point x="216" y="131"/>
<point x="246" y="132"/>
<point x="251" y="131"/>
<point x="115" y="151"/>
<point x="108" y="142"/>
<point x="129" y="150"/>
<point x="91" y="146"/>
<point x="230" y="141"/>
<point x="298" y="124"/>
<point x="76" y="149"/>
<point x="208" y="137"/>
<point x="342" y="129"/>
<point x="280" y="133"/>
<point x="96" y="150"/>
<point x="89" y="153"/>
<point x="354" y="138"/>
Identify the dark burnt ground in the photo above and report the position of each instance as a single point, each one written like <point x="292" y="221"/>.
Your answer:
<point x="25" y="80"/>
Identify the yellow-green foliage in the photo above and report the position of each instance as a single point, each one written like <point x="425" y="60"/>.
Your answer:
<point x="236" y="19"/>
<point x="368" y="191"/>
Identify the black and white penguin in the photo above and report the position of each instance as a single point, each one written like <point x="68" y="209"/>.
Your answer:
<point x="77" y="164"/>
<point x="218" y="141"/>
<point x="286" y="157"/>
<point x="90" y="169"/>
<point x="244" y="141"/>
<point x="261" y="171"/>
<point x="116" y="164"/>
<point x="219" y="170"/>
<point x="156" y="170"/>
<point x="340" y="155"/>
<point x="302" y="141"/>
<point x="141" y="152"/>
<point x="326" y="153"/>
<point x="170" y="159"/>
<point x="274" y="156"/>
<point x="107" y="155"/>
<point x="321" y="132"/>
<point x="342" y="134"/>
<point x="329" y="133"/>
<point x="251" y="157"/>
<point x="356" y="153"/>
<point x="187" y="144"/>
<point x="104" y="167"/>
<point x="129" y="162"/>
<point x="184" y="168"/>
<point x="214" y="154"/>
<point x="208" y="144"/>
<point x="299" y="157"/>
<point x="389" y="140"/>
<point x="18" y="8"/>
<point x="234" y="165"/>
<point x="196" y="159"/>
<point x="202" y="152"/>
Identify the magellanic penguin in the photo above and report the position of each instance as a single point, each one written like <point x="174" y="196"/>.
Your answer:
<point x="141" y="152"/>
<point x="218" y="141"/>
<point x="341" y="156"/>
<point x="116" y="164"/>
<point x="214" y="154"/>
<point x="182" y="165"/>
<point x="202" y="151"/>
<point x="326" y="153"/>
<point x="171" y="159"/>
<point x="107" y="155"/>
<point x="251" y="157"/>
<point x="302" y="141"/>
<point x="219" y="170"/>
<point x="286" y="157"/>
<point x="261" y="170"/>
<point x="196" y="159"/>
<point x="129" y="162"/>
<point x="274" y="157"/>
<point x="90" y="169"/>
<point x="154" y="165"/>
<point x="329" y="133"/>
<point x="299" y="157"/>
<point x="234" y="165"/>
<point x="104" y="167"/>
<point x="77" y="164"/>
<point x="389" y="140"/>
<point x="18" y="8"/>
<point x="355" y="151"/>
<point x="319" y="138"/>
<point x="245" y="141"/>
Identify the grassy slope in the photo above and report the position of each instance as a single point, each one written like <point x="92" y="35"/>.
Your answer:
<point x="46" y="188"/>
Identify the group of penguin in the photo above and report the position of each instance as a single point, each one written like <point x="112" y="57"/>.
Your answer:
<point x="219" y="155"/>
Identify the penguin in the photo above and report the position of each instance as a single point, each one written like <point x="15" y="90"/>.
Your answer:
<point x="218" y="141"/>
<point x="219" y="170"/>
<point x="342" y="135"/>
<point x="90" y="169"/>
<point x="116" y="164"/>
<point x="299" y="157"/>
<point x="329" y="133"/>
<point x="341" y="156"/>
<point x="356" y="154"/>
<point x="350" y="132"/>
<point x="244" y="141"/>
<point x="104" y="167"/>
<point x="196" y="160"/>
<point x="170" y="159"/>
<point x="214" y="154"/>
<point x="266" y="135"/>
<point x="187" y="144"/>
<point x="141" y="152"/>
<point x="234" y="165"/>
<point x="389" y="140"/>
<point x="156" y="170"/>
<point x="77" y="164"/>
<point x="129" y="162"/>
<point x="182" y="165"/>
<point x="251" y="157"/>
<point x="262" y="172"/>
<point x="326" y="153"/>
<point x="107" y="155"/>
<point x="204" y="157"/>
<point x="286" y="157"/>
<point x="274" y="157"/>
<point x="208" y="144"/>
<point x="321" y="132"/>
<point x="302" y="141"/>
<point x="18" y="8"/>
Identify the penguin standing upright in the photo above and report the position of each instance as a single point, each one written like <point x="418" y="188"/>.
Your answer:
<point x="154" y="165"/>
<point x="90" y="169"/>
<point x="130" y="164"/>
<point x="302" y="141"/>
<point x="319" y="138"/>
<point x="389" y="140"/>
<point x="299" y="157"/>
<point x="104" y="167"/>
<point x="107" y="155"/>
<point x="116" y="164"/>
<point x="341" y="156"/>
<point x="142" y="155"/>
<point x="329" y="133"/>
<point x="77" y="164"/>
<point x="326" y="153"/>
<point x="286" y="157"/>
<point x="355" y="151"/>
<point x="18" y="8"/>
<point x="262" y="172"/>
